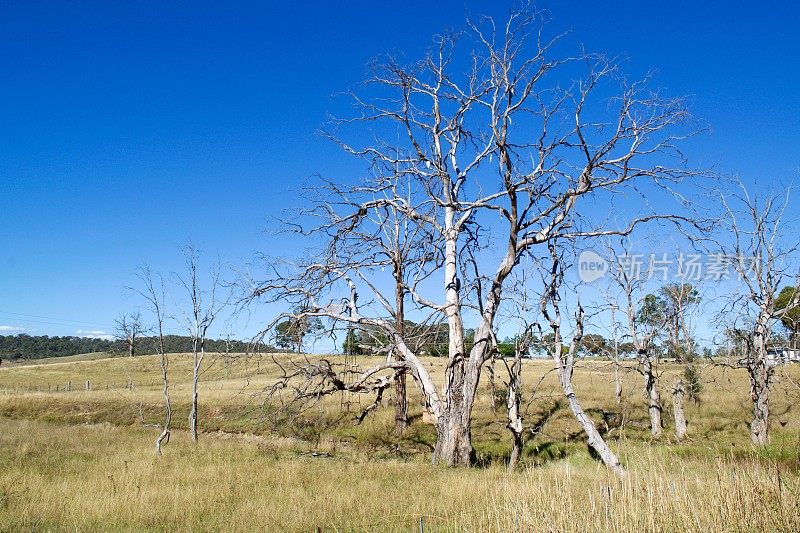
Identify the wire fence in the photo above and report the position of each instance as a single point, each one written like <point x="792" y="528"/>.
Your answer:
<point x="77" y="386"/>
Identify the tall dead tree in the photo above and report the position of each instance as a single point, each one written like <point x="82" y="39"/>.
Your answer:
<point x="563" y="354"/>
<point x="504" y="153"/>
<point x="760" y="244"/>
<point x="514" y="415"/>
<point x="381" y="237"/>
<point x="521" y="313"/>
<point x="128" y="328"/>
<point x="615" y="353"/>
<point x="513" y="404"/>
<point x="646" y="316"/>
<point x="154" y="294"/>
<point x="198" y="321"/>
<point x="678" y="391"/>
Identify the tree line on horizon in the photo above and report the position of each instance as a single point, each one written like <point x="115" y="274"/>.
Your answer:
<point x="31" y="347"/>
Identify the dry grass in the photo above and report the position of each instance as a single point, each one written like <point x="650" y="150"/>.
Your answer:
<point x="82" y="461"/>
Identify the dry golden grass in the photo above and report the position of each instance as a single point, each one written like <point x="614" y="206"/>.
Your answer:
<point x="81" y="460"/>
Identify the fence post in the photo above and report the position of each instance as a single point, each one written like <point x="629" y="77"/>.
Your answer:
<point x="69" y="386"/>
<point x="88" y="385"/>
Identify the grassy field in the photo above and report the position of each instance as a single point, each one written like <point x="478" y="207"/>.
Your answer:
<point x="83" y="459"/>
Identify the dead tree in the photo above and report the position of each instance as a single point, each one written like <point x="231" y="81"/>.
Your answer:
<point x="646" y="317"/>
<point x="154" y="294"/>
<point x="502" y="154"/>
<point x="615" y="353"/>
<point x="678" y="393"/>
<point x="515" y="425"/>
<point x="761" y="247"/>
<point x="380" y="237"/>
<point x="128" y="328"/>
<point x="563" y="355"/>
<point x="198" y="321"/>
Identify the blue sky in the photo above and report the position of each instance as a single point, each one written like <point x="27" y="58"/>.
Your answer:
<point x="129" y="130"/>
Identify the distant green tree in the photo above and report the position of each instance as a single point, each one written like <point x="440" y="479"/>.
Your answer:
<point x="594" y="344"/>
<point x="507" y="348"/>
<point x="694" y="387"/>
<point x="353" y="343"/>
<point x="678" y="298"/>
<point x="791" y="317"/>
<point x="627" y="349"/>
<point x="653" y="311"/>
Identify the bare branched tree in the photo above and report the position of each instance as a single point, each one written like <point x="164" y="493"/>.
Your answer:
<point x="378" y="237"/>
<point x="154" y="294"/>
<point x="760" y="244"/>
<point x="563" y="354"/>
<point x="522" y="314"/>
<point x="494" y="161"/>
<point x="646" y="318"/>
<point x="522" y="345"/>
<point x="678" y="392"/>
<point x="206" y="307"/>
<point x="128" y="328"/>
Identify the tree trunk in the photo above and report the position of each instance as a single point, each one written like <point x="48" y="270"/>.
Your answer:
<point x="760" y="376"/>
<point x="516" y="452"/>
<point x="454" y="435"/>
<point x="163" y="437"/>
<point x="513" y="399"/>
<point x="400" y="403"/>
<point x="193" y="413"/>
<point x="492" y="384"/>
<point x="595" y="440"/>
<point x="400" y="394"/>
<point x="453" y="439"/>
<point x="678" y="391"/>
<point x="759" y="385"/>
<point x="654" y="406"/>
<point x="617" y="382"/>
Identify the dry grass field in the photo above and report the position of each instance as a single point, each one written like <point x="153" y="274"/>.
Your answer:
<point x="84" y="460"/>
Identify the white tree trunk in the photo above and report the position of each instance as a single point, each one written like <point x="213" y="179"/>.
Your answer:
<point x="653" y="397"/>
<point x="595" y="440"/>
<point x="513" y="399"/>
<point x="678" y="393"/>
<point x="198" y="360"/>
<point x="617" y="382"/>
<point x="760" y="378"/>
<point x="759" y="425"/>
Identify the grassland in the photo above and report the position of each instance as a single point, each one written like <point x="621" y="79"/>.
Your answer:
<point x="83" y="460"/>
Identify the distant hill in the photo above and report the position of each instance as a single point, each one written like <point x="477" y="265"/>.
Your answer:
<point x="29" y="347"/>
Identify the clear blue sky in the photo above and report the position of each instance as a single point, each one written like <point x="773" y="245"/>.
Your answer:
<point x="128" y="131"/>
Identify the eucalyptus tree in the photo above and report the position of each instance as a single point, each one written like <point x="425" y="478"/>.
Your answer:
<point x="502" y="142"/>
<point x="379" y="237"/>
<point x="677" y="299"/>
<point x="791" y="318"/>
<point x="153" y="292"/>
<point x="206" y="305"/>
<point x="564" y="351"/>
<point x="645" y="316"/>
<point x="759" y="242"/>
<point x="128" y="328"/>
